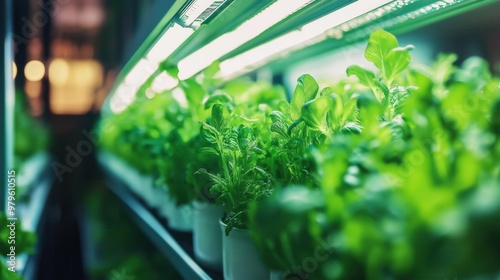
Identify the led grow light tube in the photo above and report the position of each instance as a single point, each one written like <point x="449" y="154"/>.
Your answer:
<point x="140" y="73"/>
<point x="124" y="94"/>
<point x="168" y="43"/>
<point x="198" y="11"/>
<point x="164" y="82"/>
<point x="261" y="54"/>
<point x="123" y="97"/>
<point x="228" y="42"/>
<point x="194" y="11"/>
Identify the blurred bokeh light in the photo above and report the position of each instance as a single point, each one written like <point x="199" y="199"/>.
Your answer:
<point x="34" y="70"/>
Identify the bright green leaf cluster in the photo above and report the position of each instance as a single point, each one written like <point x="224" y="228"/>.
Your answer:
<point x="413" y="194"/>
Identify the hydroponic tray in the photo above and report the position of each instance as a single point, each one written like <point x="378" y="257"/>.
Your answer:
<point x="176" y="246"/>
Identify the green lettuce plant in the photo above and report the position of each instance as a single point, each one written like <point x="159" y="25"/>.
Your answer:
<point x="311" y="118"/>
<point x="154" y="134"/>
<point x="414" y="194"/>
<point x="136" y="134"/>
<point x="236" y="135"/>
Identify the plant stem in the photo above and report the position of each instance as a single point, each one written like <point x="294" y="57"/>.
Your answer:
<point x="224" y="161"/>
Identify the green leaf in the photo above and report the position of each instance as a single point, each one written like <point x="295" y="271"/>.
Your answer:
<point x="219" y="113"/>
<point x="379" y="45"/>
<point x="327" y="91"/>
<point x="307" y="89"/>
<point x="209" y="151"/>
<point x="210" y="133"/>
<point x="350" y="110"/>
<point x="171" y="70"/>
<point x="194" y="92"/>
<point x="421" y="95"/>
<point x="277" y="116"/>
<point x="475" y="71"/>
<point x="219" y="98"/>
<point x="334" y="115"/>
<point x="383" y="51"/>
<point x="397" y="96"/>
<point x="443" y="67"/>
<point x="396" y="61"/>
<point x="314" y="112"/>
<point x="352" y="127"/>
<point x="212" y="70"/>
<point x="366" y="77"/>
<point x="280" y="128"/>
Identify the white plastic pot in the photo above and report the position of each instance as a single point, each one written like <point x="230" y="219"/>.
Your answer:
<point x="180" y="218"/>
<point x="207" y="239"/>
<point x="240" y="258"/>
<point x="146" y="188"/>
<point x="166" y="203"/>
<point x="159" y="197"/>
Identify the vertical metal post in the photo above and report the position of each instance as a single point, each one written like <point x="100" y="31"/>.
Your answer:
<point x="6" y="99"/>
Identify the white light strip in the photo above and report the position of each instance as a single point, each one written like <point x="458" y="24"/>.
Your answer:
<point x="123" y="97"/>
<point x="195" y="10"/>
<point x="140" y="73"/>
<point x="260" y="54"/>
<point x="168" y="43"/>
<point x="228" y="42"/>
<point x="164" y="82"/>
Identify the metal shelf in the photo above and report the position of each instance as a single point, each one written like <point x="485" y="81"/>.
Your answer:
<point x="33" y="211"/>
<point x="177" y="247"/>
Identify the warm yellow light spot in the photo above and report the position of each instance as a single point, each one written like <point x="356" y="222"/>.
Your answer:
<point x="34" y="70"/>
<point x="70" y="101"/>
<point x="59" y="72"/>
<point x="84" y="74"/>
<point x="14" y="70"/>
<point x="74" y="85"/>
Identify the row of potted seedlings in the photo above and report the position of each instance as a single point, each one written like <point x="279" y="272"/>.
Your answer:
<point x="359" y="180"/>
<point x="177" y="164"/>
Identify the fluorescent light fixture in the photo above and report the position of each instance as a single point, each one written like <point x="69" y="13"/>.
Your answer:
<point x="123" y="97"/>
<point x="258" y="55"/>
<point x="163" y="48"/>
<point x="194" y="10"/>
<point x="140" y="73"/>
<point x="228" y="42"/>
<point x="168" y="43"/>
<point x="198" y="11"/>
<point x="164" y="82"/>
<point x="294" y="39"/>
